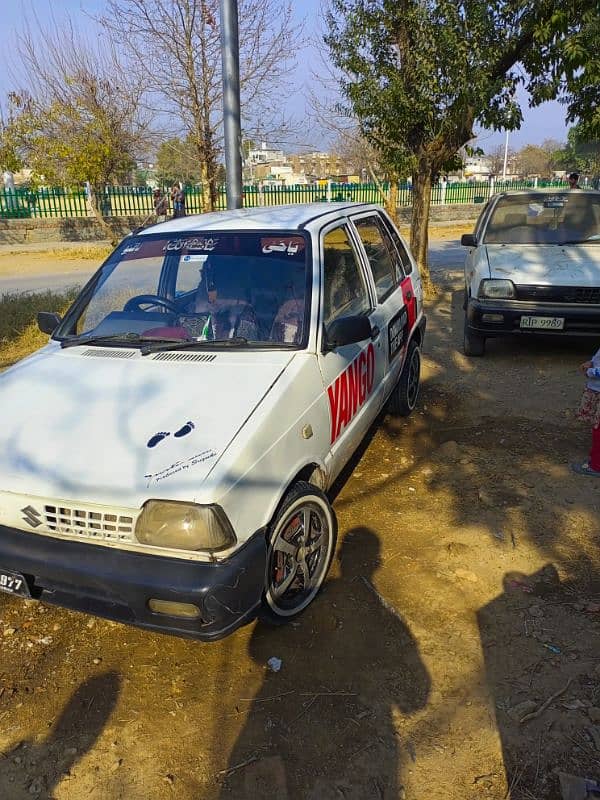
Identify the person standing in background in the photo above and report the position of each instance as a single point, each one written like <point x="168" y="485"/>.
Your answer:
<point x="178" y="200"/>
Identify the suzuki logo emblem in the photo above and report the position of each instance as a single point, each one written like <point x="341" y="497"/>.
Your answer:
<point x="31" y="516"/>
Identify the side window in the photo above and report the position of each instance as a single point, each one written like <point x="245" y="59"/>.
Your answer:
<point x="406" y="262"/>
<point x="344" y="287"/>
<point x="384" y="272"/>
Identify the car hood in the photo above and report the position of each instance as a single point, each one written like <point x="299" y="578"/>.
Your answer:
<point x="546" y="265"/>
<point x="112" y="426"/>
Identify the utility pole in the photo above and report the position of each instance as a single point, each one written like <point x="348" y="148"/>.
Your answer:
<point x="505" y="157"/>
<point x="230" y="60"/>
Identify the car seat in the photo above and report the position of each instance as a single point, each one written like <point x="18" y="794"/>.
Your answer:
<point x="288" y="325"/>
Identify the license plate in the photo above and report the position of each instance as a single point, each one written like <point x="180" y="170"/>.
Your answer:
<point x="545" y="323"/>
<point x="13" y="583"/>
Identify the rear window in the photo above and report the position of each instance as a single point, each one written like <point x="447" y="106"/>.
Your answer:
<point x="563" y="217"/>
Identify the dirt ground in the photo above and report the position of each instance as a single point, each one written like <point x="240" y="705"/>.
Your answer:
<point x="465" y="595"/>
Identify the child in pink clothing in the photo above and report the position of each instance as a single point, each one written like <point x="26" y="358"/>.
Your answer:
<point x="589" y="411"/>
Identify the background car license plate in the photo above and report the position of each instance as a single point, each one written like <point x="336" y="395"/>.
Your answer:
<point x="546" y="323"/>
<point x="13" y="583"/>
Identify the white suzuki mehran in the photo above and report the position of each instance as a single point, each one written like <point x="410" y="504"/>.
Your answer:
<point x="164" y="458"/>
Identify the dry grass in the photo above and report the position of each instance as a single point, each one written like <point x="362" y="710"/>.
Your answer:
<point x="91" y="252"/>
<point x="19" y="333"/>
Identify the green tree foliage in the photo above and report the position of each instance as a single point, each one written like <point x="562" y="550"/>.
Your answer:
<point x="581" y="153"/>
<point x="10" y="158"/>
<point x="79" y="118"/>
<point x="418" y="74"/>
<point x="177" y="160"/>
<point x="533" y="160"/>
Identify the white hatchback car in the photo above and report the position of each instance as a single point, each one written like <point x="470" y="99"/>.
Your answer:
<point x="163" y="460"/>
<point x="533" y="266"/>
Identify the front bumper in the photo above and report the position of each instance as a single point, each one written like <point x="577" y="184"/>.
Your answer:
<point x="580" y="319"/>
<point x="117" y="584"/>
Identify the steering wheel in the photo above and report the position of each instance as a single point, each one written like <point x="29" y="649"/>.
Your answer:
<point x="135" y="303"/>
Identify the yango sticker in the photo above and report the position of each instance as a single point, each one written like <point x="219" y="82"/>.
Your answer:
<point x="350" y="389"/>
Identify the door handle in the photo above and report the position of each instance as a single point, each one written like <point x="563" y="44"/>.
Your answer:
<point x="375" y="331"/>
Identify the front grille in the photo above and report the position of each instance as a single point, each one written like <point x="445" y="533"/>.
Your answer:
<point x="588" y="295"/>
<point x="89" y="524"/>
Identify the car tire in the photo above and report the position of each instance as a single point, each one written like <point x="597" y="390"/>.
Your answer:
<point x="297" y="563"/>
<point x="406" y="392"/>
<point x="473" y="344"/>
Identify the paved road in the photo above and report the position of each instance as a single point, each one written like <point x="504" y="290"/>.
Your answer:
<point x="443" y="255"/>
<point x="40" y="283"/>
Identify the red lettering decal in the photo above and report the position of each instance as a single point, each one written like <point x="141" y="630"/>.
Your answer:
<point x="370" y="367"/>
<point x="333" y="392"/>
<point x="343" y="417"/>
<point x="411" y="305"/>
<point x="362" y="378"/>
<point x="353" y="388"/>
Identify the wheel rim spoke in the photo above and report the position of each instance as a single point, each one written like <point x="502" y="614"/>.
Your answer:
<point x="315" y="545"/>
<point x="305" y="570"/>
<point x="306" y="524"/>
<point x="281" y="588"/>
<point x="285" y="547"/>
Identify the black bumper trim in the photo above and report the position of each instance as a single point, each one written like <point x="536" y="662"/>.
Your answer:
<point x="580" y="320"/>
<point x="117" y="584"/>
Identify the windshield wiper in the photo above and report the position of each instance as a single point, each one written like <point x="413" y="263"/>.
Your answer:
<point x="190" y="344"/>
<point x="114" y="338"/>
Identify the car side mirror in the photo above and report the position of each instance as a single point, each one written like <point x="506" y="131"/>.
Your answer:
<point x="468" y="240"/>
<point x="48" y="321"/>
<point x="347" y="330"/>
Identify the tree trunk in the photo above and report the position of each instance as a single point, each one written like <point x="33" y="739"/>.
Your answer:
<point x="391" y="204"/>
<point x="419" y="226"/>
<point x="97" y="191"/>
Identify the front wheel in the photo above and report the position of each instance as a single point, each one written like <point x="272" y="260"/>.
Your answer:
<point x="473" y="344"/>
<point x="404" y="395"/>
<point x="301" y="545"/>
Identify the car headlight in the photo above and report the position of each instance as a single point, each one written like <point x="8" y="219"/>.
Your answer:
<point x="183" y="526"/>
<point x="497" y="289"/>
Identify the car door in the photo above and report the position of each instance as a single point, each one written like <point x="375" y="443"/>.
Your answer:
<point x="412" y="288"/>
<point x="352" y="374"/>
<point x="395" y="311"/>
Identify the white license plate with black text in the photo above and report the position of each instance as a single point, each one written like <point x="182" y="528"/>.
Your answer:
<point x="543" y="323"/>
<point x="13" y="583"/>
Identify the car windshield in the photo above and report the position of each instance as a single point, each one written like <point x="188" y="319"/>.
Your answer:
<point x="239" y="286"/>
<point x="545" y="218"/>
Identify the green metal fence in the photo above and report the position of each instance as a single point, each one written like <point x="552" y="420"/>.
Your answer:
<point x="123" y="201"/>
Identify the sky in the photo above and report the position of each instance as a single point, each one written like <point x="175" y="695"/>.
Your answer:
<point x="545" y="122"/>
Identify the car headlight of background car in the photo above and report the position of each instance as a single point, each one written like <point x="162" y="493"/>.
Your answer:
<point x="497" y="289"/>
<point x="184" y="526"/>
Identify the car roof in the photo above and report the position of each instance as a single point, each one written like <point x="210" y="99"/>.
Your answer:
<point x="289" y="217"/>
<point x="548" y="190"/>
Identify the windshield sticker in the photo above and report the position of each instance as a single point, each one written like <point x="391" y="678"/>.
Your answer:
<point x="179" y="466"/>
<point x="289" y="245"/>
<point x="133" y="248"/>
<point x="195" y="243"/>
<point x="535" y="209"/>
<point x="200" y="258"/>
<point x="350" y="389"/>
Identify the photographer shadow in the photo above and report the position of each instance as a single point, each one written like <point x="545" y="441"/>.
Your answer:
<point x="35" y="769"/>
<point x="329" y="724"/>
